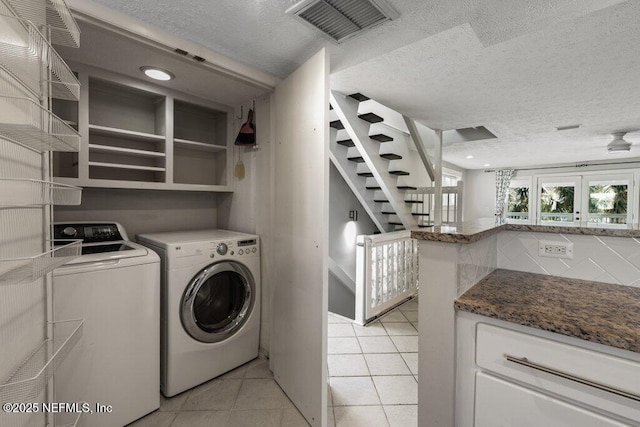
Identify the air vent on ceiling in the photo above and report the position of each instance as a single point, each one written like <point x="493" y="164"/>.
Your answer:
<point x="342" y="19"/>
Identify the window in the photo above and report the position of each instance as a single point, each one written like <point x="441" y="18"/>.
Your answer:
<point x="608" y="203"/>
<point x="518" y="204"/>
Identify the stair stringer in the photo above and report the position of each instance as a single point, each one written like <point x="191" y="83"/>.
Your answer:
<point x="358" y="130"/>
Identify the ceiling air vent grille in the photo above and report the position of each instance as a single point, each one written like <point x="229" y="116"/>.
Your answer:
<point x="342" y="19"/>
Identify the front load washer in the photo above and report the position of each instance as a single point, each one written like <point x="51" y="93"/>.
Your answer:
<point x="210" y="304"/>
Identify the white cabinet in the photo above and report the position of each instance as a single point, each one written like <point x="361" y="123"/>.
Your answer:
<point x="502" y="403"/>
<point x="139" y="135"/>
<point x="511" y="375"/>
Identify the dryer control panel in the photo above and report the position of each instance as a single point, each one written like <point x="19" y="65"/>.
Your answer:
<point x="218" y="249"/>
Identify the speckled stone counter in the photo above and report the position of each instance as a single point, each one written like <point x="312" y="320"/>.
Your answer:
<point x="473" y="231"/>
<point x="598" y="312"/>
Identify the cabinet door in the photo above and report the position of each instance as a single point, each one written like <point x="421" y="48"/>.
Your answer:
<point x="501" y="403"/>
<point x="300" y="233"/>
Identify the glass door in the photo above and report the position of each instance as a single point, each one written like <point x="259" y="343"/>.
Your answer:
<point x="559" y="201"/>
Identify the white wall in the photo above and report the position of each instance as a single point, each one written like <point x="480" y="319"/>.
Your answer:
<point x="478" y="200"/>
<point x="342" y="240"/>
<point x="248" y="209"/>
<point x="144" y="211"/>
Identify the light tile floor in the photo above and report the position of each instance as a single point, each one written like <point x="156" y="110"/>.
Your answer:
<point x="372" y="382"/>
<point x="247" y="396"/>
<point x="373" y="370"/>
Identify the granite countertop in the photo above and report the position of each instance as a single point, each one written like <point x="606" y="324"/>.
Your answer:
<point x="469" y="232"/>
<point x="599" y="312"/>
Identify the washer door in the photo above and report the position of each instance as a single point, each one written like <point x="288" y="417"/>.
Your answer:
<point x="217" y="301"/>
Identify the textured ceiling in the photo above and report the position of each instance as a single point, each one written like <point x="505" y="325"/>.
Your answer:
<point x="520" y="68"/>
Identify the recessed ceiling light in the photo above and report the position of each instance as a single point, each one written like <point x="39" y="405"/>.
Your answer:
<point x="157" y="73"/>
<point x="469" y="157"/>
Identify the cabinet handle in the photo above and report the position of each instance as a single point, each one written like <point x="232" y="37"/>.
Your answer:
<point x="525" y="362"/>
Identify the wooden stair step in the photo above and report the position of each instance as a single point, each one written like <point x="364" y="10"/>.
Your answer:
<point x="356" y="159"/>
<point x="380" y="137"/>
<point x="420" y="214"/>
<point x="370" y="117"/>
<point x="336" y="124"/>
<point x="346" y="143"/>
<point x="387" y="213"/>
<point x="424" y="226"/>
<point x="413" y="201"/>
<point x="399" y="173"/>
<point x="406" y="187"/>
<point x="373" y="187"/>
<point x="359" y="97"/>
<point x="367" y="174"/>
<point x="391" y="156"/>
<point x="381" y="200"/>
<point x="395" y="223"/>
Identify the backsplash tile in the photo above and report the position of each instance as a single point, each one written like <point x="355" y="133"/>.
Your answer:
<point x="475" y="261"/>
<point x="604" y="259"/>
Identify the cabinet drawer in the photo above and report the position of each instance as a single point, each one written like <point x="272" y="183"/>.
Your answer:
<point x="600" y="380"/>
<point x="501" y="403"/>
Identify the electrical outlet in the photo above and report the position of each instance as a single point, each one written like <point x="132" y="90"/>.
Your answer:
<point x="555" y="249"/>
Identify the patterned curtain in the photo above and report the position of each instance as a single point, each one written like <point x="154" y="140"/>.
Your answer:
<point x="503" y="179"/>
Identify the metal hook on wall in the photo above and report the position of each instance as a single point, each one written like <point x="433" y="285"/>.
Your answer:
<point x="241" y="113"/>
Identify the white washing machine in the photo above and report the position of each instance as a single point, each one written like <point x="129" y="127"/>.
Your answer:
<point x="115" y="286"/>
<point x="210" y="306"/>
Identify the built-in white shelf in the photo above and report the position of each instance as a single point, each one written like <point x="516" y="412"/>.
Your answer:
<point x="26" y="50"/>
<point x="58" y="19"/>
<point x="17" y="192"/>
<point x="31" y="377"/>
<point x="123" y="133"/>
<point x="123" y="166"/>
<point x="29" y="269"/>
<point x="25" y="121"/>
<point x="124" y="151"/>
<point x="194" y="145"/>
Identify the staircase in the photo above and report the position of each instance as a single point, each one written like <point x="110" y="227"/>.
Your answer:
<point x="372" y="148"/>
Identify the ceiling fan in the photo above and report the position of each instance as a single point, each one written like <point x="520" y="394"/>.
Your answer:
<point x="618" y="144"/>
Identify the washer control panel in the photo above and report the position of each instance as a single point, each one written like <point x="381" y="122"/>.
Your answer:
<point x="219" y="249"/>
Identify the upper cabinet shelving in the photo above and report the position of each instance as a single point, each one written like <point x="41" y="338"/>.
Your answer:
<point x="138" y="135"/>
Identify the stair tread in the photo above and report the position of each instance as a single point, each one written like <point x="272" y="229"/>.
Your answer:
<point x="356" y="159"/>
<point x="395" y="223"/>
<point x="406" y="187"/>
<point x="399" y="172"/>
<point x="420" y="214"/>
<point x="380" y="137"/>
<point x="367" y="174"/>
<point x="413" y="201"/>
<point x="387" y="213"/>
<point x="381" y="201"/>
<point x="359" y="97"/>
<point x="370" y="117"/>
<point x="391" y="156"/>
<point x="336" y="124"/>
<point x="373" y="188"/>
<point x="424" y="226"/>
<point x="346" y="142"/>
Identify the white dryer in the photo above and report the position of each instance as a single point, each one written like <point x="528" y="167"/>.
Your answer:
<point x="210" y="304"/>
